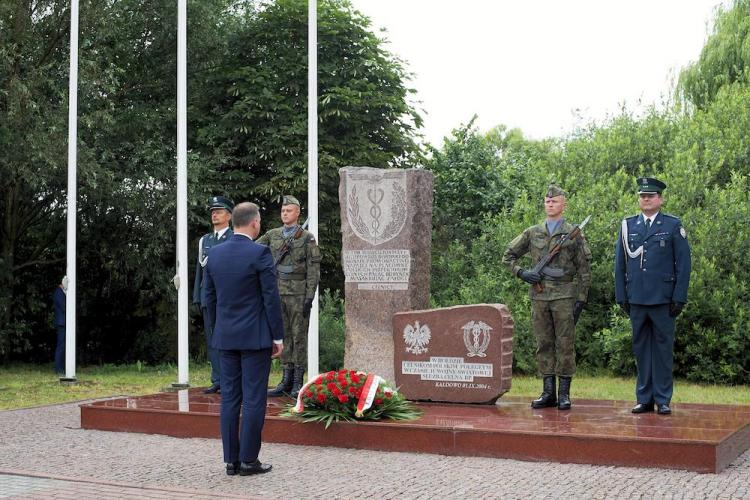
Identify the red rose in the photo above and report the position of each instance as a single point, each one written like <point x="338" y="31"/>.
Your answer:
<point x="352" y="389"/>
<point x="329" y="376"/>
<point x="343" y="398"/>
<point x="389" y="395"/>
<point x="336" y="391"/>
<point x="319" y="381"/>
<point x="378" y="401"/>
<point x="355" y="379"/>
<point x="321" y="397"/>
<point x="343" y="383"/>
<point x="331" y="386"/>
<point x="309" y="394"/>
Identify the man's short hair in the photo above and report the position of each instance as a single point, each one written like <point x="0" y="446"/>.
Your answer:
<point x="244" y="213"/>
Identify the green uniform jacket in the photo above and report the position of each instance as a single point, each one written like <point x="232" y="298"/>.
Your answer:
<point x="574" y="260"/>
<point x="299" y="271"/>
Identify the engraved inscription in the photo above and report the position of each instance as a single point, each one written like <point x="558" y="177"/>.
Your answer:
<point x="377" y="266"/>
<point x="447" y="369"/>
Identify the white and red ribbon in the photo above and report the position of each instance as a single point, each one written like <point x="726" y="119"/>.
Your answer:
<point x="368" y="394"/>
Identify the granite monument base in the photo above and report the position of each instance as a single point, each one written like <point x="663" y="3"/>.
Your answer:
<point x="696" y="437"/>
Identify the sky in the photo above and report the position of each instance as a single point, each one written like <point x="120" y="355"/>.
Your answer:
<point x="544" y="66"/>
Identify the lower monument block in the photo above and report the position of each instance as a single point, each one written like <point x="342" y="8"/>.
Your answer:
<point x="460" y="354"/>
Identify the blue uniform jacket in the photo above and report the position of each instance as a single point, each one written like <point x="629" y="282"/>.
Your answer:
<point x="242" y="297"/>
<point x="660" y="275"/>
<point x="205" y="244"/>
<point x="58" y="297"/>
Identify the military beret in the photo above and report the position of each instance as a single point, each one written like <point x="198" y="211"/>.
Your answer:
<point x="290" y="200"/>
<point x="217" y="202"/>
<point x="650" y="185"/>
<point x="553" y="191"/>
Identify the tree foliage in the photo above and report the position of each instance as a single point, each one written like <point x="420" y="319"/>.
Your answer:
<point x="247" y="81"/>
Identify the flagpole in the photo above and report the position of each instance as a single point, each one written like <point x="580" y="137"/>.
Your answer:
<point x="182" y="278"/>
<point x="312" y="169"/>
<point x="70" y="295"/>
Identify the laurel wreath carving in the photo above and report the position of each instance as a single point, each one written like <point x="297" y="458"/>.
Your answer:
<point x="398" y="215"/>
<point x="398" y="212"/>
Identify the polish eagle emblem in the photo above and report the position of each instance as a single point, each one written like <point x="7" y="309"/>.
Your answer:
<point x="417" y="337"/>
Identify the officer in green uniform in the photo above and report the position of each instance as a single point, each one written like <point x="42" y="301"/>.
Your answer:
<point x="221" y="213"/>
<point x="298" y="273"/>
<point x="556" y="308"/>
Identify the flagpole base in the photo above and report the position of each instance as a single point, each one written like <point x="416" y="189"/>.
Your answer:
<point x="68" y="381"/>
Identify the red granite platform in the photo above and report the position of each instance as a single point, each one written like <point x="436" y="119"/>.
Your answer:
<point x="701" y="438"/>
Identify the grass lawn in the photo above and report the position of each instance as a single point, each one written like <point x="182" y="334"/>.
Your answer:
<point x="23" y="386"/>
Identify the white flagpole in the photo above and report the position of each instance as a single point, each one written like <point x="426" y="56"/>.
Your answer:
<point x="70" y="296"/>
<point x="182" y="253"/>
<point x="312" y="168"/>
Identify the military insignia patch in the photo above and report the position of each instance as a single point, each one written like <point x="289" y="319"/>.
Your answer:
<point x="683" y="233"/>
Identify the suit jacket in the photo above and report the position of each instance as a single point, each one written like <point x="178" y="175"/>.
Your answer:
<point x="242" y="297"/>
<point x="58" y="298"/>
<point x="205" y="244"/>
<point x="660" y="275"/>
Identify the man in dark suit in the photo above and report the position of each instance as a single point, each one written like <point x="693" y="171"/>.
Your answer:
<point x="244" y="308"/>
<point x="652" y="274"/>
<point x="221" y="213"/>
<point x="58" y="299"/>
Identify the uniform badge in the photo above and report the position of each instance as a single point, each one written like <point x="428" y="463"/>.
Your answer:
<point x="683" y="233"/>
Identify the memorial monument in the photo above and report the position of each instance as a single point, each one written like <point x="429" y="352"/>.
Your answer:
<point x="460" y="354"/>
<point x="386" y="229"/>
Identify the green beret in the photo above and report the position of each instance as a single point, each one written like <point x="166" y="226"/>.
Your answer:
<point x="553" y="191"/>
<point x="650" y="185"/>
<point x="217" y="202"/>
<point x="290" y="200"/>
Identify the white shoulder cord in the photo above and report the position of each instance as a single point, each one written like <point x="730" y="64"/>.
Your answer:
<point x="631" y="253"/>
<point x="201" y="258"/>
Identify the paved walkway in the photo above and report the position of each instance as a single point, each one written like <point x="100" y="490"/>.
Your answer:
<point x="43" y="451"/>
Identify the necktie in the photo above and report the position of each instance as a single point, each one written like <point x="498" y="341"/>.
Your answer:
<point x="648" y="224"/>
<point x="216" y="235"/>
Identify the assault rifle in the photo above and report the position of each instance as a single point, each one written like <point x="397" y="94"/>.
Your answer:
<point x="541" y="266"/>
<point x="287" y="245"/>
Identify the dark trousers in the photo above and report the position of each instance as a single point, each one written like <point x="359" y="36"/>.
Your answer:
<point x="213" y="354"/>
<point x="60" y="350"/>
<point x="244" y="384"/>
<point x="653" y="346"/>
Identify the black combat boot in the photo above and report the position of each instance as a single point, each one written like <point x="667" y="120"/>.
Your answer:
<point x="547" y="399"/>
<point x="563" y="397"/>
<point x="286" y="382"/>
<point x="299" y="376"/>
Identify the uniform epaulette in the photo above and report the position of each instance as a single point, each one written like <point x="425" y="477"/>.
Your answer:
<point x="671" y="216"/>
<point x="632" y="217"/>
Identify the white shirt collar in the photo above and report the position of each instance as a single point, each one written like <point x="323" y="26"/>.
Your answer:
<point x="246" y="236"/>
<point x="653" y="217"/>
<point x="220" y="233"/>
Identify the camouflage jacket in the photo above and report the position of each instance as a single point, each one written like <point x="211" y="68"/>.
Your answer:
<point x="574" y="260"/>
<point x="299" y="271"/>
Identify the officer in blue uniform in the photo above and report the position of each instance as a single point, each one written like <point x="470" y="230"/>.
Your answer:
<point x="652" y="273"/>
<point x="221" y="213"/>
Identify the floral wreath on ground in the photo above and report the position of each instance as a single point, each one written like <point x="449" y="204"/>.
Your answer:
<point x="349" y="395"/>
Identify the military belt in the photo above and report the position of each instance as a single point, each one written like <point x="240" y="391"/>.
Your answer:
<point x="292" y="276"/>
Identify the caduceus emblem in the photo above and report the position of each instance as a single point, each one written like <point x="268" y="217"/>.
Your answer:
<point x="476" y="338"/>
<point x="417" y="337"/>
<point x="376" y="204"/>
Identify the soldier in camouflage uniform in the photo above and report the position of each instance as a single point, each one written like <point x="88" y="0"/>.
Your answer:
<point x="555" y="309"/>
<point x="298" y="275"/>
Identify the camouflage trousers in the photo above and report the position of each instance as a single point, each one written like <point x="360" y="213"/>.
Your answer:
<point x="555" y="333"/>
<point x="295" y="331"/>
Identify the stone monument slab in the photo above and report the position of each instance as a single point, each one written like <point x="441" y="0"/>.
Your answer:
<point x="460" y="354"/>
<point x="386" y="226"/>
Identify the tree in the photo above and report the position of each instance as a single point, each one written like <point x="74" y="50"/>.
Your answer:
<point x="253" y="112"/>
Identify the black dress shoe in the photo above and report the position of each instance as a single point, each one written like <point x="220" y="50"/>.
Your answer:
<point x="643" y="408"/>
<point x="249" y="468"/>
<point x="212" y="390"/>
<point x="233" y="468"/>
<point x="663" y="410"/>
